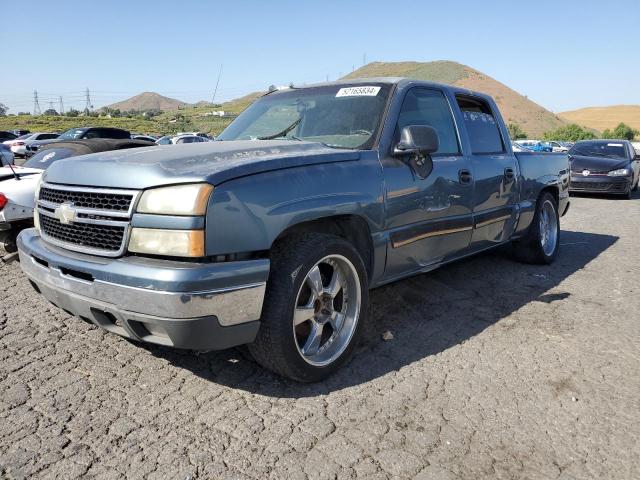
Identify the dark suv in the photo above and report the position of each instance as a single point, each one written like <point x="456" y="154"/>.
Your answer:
<point x="81" y="133"/>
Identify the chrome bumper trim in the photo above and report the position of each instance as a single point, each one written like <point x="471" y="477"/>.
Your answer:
<point x="232" y="306"/>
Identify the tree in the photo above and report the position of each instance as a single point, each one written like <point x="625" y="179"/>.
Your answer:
<point x="621" y="132"/>
<point x="569" y="133"/>
<point x="516" y="132"/>
<point x="72" y="112"/>
<point x="3" y="110"/>
<point x="50" y="111"/>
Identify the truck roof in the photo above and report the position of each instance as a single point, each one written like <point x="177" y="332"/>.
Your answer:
<point x="403" y="82"/>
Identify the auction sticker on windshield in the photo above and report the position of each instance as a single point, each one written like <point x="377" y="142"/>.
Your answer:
<point x="364" y="91"/>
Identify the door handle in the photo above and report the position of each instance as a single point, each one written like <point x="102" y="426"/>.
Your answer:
<point x="509" y="174"/>
<point x="465" y="176"/>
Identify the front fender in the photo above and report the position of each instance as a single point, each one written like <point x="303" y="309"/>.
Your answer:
<point x="247" y="214"/>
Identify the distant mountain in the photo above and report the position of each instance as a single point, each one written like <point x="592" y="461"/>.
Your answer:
<point x="601" y="118"/>
<point x="514" y="107"/>
<point x="148" y="101"/>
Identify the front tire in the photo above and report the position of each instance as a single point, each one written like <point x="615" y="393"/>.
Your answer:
<point x="315" y="309"/>
<point x="541" y="243"/>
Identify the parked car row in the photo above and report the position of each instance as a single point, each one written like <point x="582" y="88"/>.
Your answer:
<point x="29" y="143"/>
<point x="542" y="146"/>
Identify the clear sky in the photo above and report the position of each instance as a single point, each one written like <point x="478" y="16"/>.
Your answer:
<point x="562" y="54"/>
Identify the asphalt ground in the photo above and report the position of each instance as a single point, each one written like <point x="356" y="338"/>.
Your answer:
<point x="495" y="370"/>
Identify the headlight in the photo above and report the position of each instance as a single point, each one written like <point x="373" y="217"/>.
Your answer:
<point x="188" y="199"/>
<point x="621" y="172"/>
<point x="172" y="243"/>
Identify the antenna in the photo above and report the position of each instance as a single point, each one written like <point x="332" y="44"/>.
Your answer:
<point x="87" y="107"/>
<point x="217" y="83"/>
<point x="36" y="104"/>
<point x="61" y="106"/>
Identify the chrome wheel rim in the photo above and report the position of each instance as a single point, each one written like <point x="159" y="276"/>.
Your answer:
<point x="548" y="228"/>
<point x="327" y="309"/>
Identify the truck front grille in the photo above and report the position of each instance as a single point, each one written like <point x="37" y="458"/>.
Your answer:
<point x="95" y="200"/>
<point x="85" y="219"/>
<point x="100" y="237"/>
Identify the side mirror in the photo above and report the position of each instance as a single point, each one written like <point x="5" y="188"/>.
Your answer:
<point x="417" y="143"/>
<point x="420" y="140"/>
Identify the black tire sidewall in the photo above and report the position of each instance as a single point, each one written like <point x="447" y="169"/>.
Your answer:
<point x="543" y="199"/>
<point x="288" y="273"/>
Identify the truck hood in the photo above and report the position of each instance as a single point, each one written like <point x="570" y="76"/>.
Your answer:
<point x="597" y="164"/>
<point x="212" y="162"/>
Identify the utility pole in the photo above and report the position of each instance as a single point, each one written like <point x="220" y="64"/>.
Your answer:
<point x="87" y="107"/>
<point x="364" y="59"/>
<point x="36" y="104"/>
<point x="61" y="111"/>
<point x="217" y="83"/>
<point x="51" y="106"/>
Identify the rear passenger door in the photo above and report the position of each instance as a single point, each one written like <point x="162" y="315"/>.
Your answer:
<point x="495" y="171"/>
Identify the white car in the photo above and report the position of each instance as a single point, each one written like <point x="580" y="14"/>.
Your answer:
<point x="179" y="139"/>
<point x="19" y="145"/>
<point x="558" y="146"/>
<point x="17" y="185"/>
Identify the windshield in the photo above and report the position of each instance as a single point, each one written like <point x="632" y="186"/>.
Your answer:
<point x="338" y="116"/>
<point x="72" y="134"/>
<point x="45" y="158"/>
<point x="599" y="149"/>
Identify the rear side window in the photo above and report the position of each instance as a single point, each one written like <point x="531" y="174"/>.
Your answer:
<point x="107" y="133"/>
<point x="46" y="136"/>
<point x="423" y="106"/>
<point x="482" y="127"/>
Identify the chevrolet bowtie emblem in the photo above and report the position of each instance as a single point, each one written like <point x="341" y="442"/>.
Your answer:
<point x="66" y="213"/>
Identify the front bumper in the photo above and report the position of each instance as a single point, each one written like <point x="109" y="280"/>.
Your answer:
<point x="600" y="184"/>
<point x="200" y="306"/>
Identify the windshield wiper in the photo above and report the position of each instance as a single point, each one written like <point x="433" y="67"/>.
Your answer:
<point x="284" y="132"/>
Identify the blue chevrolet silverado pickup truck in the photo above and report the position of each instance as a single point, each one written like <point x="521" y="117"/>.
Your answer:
<point x="274" y="235"/>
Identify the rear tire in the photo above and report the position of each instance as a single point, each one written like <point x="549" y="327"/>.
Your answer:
<point x="316" y="307"/>
<point x="541" y="243"/>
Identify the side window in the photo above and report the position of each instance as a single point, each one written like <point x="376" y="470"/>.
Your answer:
<point x="482" y="127"/>
<point x="93" y="133"/>
<point x="423" y="106"/>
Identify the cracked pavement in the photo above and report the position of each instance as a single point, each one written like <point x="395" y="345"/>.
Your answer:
<point x="495" y="370"/>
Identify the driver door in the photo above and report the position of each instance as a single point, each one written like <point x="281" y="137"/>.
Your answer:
<point x="428" y="219"/>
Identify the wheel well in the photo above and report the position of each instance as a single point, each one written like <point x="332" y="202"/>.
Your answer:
<point x="553" y="191"/>
<point x="352" y="228"/>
